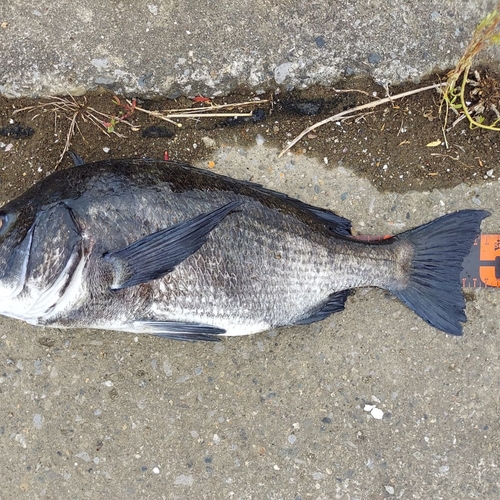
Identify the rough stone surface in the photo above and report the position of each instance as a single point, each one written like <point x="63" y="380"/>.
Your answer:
<point x="170" y="48"/>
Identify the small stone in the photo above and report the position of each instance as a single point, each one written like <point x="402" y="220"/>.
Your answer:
<point x="374" y="58"/>
<point x="259" y="140"/>
<point x="83" y="455"/>
<point x="37" y="421"/>
<point x="106" y="149"/>
<point x="292" y="439"/>
<point x="389" y="490"/>
<point x="167" y="368"/>
<point x="156" y="470"/>
<point x="208" y="142"/>
<point x="184" y="480"/>
<point x="320" y="42"/>
<point x="281" y="72"/>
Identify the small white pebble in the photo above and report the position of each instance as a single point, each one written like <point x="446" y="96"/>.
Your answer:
<point x="156" y="470"/>
<point x="292" y="439"/>
<point x="106" y="149"/>
<point x="389" y="490"/>
<point x="9" y="146"/>
<point x="377" y="413"/>
<point x="108" y="383"/>
<point x="325" y="159"/>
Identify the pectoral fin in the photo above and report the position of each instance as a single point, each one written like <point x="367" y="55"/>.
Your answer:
<point x="157" y="254"/>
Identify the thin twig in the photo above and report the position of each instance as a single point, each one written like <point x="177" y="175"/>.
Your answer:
<point x="213" y="107"/>
<point x="199" y="112"/>
<point x="369" y="105"/>
<point x="206" y="115"/>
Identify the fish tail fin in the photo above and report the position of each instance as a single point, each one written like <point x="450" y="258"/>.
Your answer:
<point x="434" y="289"/>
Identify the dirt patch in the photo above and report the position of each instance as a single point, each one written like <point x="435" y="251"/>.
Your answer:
<point x="388" y="146"/>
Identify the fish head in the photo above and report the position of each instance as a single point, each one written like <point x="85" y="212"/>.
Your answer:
<point x="39" y="251"/>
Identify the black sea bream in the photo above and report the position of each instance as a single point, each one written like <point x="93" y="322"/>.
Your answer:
<point x="159" y="247"/>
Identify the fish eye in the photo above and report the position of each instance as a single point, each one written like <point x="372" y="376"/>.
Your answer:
<point x="6" y="221"/>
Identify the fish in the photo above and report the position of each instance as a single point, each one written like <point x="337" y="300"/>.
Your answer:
<point x="167" y="249"/>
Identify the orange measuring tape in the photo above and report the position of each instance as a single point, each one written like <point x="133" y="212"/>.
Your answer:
<point x="481" y="268"/>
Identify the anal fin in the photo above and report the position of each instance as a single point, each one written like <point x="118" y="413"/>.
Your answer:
<point x="335" y="303"/>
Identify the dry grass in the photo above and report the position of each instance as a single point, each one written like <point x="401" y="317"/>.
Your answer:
<point x="73" y="110"/>
<point x="486" y="34"/>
